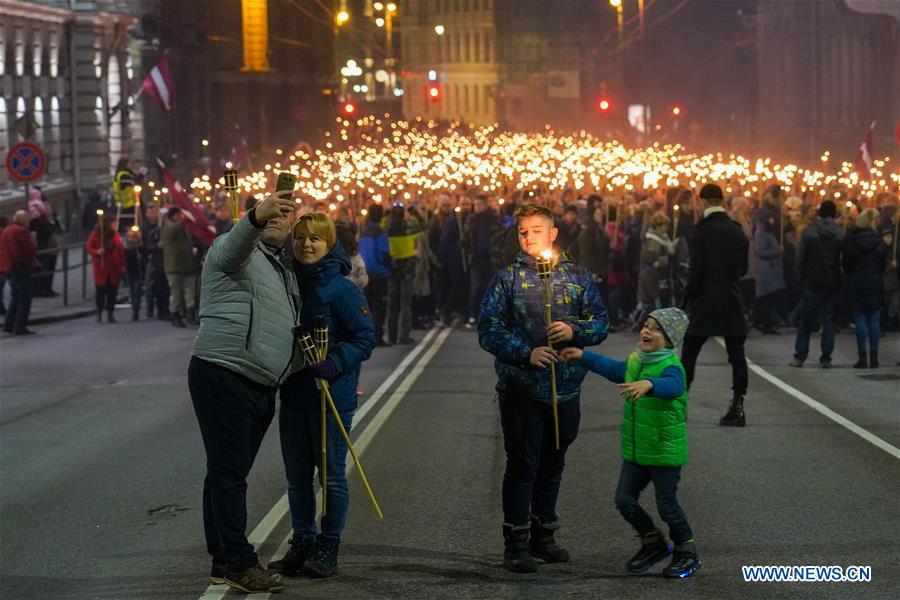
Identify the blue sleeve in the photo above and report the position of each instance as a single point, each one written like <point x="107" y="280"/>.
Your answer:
<point x="612" y="369"/>
<point x="353" y="313"/>
<point x="494" y="331"/>
<point x="592" y="325"/>
<point x="669" y="386"/>
<point x="384" y="250"/>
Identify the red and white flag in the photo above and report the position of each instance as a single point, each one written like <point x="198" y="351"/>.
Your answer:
<point x="866" y="152"/>
<point x="197" y="224"/>
<point x="159" y="85"/>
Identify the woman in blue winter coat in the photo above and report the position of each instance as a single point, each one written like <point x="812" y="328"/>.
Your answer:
<point x="328" y="297"/>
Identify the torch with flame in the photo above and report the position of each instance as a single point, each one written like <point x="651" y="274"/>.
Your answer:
<point x="320" y="334"/>
<point x="231" y="187"/>
<point x="544" y="264"/>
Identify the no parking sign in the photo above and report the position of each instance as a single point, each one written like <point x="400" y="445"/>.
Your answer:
<point x="26" y="162"/>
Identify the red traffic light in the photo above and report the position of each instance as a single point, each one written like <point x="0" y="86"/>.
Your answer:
<point x="434" y="93"/>
<point x="676" y="110"/>
<point x="603" y="105"/>
<point x="349" y="108"/>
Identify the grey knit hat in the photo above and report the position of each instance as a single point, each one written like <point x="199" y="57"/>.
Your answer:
<point x="674" y="323"/>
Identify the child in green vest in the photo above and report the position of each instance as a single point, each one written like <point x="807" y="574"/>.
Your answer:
<point x="653" y="436"/>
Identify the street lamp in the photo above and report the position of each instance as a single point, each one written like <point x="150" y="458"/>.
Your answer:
<point x="617" y="4"/>
<point x="342" y="17"/>
<point x="439" y="29"/>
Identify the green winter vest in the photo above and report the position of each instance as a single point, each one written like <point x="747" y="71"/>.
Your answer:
<point x="654" y="431"/>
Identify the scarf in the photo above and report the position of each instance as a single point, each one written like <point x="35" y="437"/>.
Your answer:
<point x="651" y="358"/>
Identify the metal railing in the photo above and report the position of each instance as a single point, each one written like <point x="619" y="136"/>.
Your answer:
<point x="65" y="253"/>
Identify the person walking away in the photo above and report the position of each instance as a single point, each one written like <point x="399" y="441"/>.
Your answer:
<point x="719" y="251"/>
<point x="769" y="268"/>
<point x="134" y="270"/>
<point x="865" y="261"/>
<point x="375" y="250"/>
<point x="513" y="328"/>
<point x="653" y="438"/>
<point x="479" y="231"/>
<point x="107" y="262"/>
<point x="180" y="268"/>
<point x="243" y="351"/>
<point x="819" y="269"/>
<point x="403" y="232"/>
<point x="327" y="298"/>
<point x="18" y="261"/>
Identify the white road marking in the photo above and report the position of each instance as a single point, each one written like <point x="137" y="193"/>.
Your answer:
<point x="262" y="531"/>
<point x="821" y="408"/>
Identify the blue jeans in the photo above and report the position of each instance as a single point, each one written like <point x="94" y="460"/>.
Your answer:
<point x="21" y="288"/>
<point x="301" y="449"/>
<point x="812" y="305"/>
<point x="867" y="324"/>
<point x="633" y="478"/>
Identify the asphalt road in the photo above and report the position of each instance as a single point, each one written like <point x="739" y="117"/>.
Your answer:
<point x="101" y="466"/>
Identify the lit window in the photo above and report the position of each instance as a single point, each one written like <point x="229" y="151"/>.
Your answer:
<point x="37" y="56"/>
<point x="20" y="52"/>
<point x="54" y="54"/>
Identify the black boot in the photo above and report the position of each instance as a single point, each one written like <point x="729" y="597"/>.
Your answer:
<point x="516" y="557"/>
<point x="292" y="564"/>
<point x="135" y="315"/>
<point x="542" y="545"/>
<point x="735" y="415"/>
<point x="191" y="318"/>
<point x="324" y="559"/>
<point x="176" y="320"/>
<point x="863" y="361"/>
<point x="654" y="548"/>
<point x="684" y="561"/>
<point x="873" y="360"/>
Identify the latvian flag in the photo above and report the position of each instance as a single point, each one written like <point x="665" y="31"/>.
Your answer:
<point x="158" y="84"/>
<point x="864" y="156"/>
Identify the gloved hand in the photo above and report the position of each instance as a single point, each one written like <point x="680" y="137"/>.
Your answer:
<point x="324" y="370"/>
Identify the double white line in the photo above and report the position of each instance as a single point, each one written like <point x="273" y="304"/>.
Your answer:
<point x="265" y="528"/>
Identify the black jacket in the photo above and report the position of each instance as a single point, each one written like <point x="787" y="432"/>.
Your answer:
<point x="718" y="250"/>
<point x="865" y="258"/>
<point x="819" y="256"/>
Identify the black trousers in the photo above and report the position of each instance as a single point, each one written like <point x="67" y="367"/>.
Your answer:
<point x="106" y="296"/>
<point x="734" y="346"/>
<point x="234" y="414"/>
<point x="376" y="297"/>
<point x="534" y="466"/>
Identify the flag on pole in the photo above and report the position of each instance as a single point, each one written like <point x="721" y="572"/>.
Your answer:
<point x="158" y="84"/>
<point x="864" y="155"/>
<point x="197" y="224"/>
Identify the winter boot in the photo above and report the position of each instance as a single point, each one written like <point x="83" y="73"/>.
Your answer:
<point x="735" y="415"/>
<point x="292" y="564"/>
<point x="654" y="548"/>
<point x="516" y="557"/>
<point x="542" y="545"/>
<point x="176" y="320"/>
<point x="863" y="361"/>
<point x="110" y="316"/>
<point x="135" y="315"/>
<point x="324" y="559"/>
<point x="684" y="561"/>
<point x="873" y="360"/>
<point x="99" y="316"/>
<point x="191" y="319"/>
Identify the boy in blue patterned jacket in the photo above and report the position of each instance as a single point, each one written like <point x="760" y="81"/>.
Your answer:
<point x="512" y="326"/>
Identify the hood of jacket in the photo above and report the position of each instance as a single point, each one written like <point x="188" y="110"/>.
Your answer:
<point x="827" y="229"/>
<point x="336" y="262"/>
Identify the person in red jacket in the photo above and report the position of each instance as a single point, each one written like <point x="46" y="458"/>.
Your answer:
<point x="108" y="258"/>
<point x="18" y="260"/>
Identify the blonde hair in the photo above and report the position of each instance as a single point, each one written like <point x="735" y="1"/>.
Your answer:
<point x="317" y="224"/>
<point x="867" y="219"/>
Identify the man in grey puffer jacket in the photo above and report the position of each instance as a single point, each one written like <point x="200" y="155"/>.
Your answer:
<point x="243" y="351"/>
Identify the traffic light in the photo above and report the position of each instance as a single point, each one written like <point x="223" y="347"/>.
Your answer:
<point x="676" y="111"/>
<point x="603" y="105"/>
<point x="434" y="92"/>
<point x="349" y="108"/>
